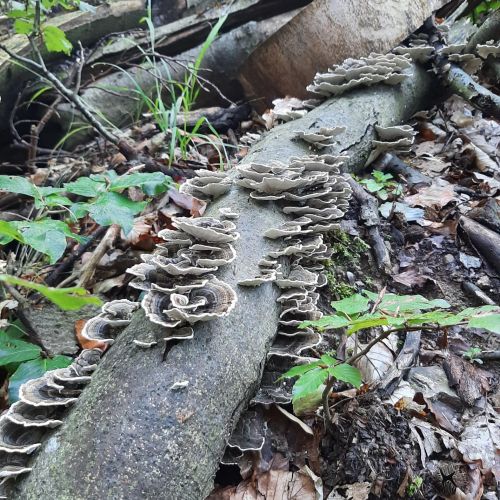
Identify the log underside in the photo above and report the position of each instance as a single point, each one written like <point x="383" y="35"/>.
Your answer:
<point x="130" y="436"/>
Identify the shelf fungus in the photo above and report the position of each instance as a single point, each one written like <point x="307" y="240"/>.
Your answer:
<point x="352" y="73"/>
<point x="398" y="139"/>
<point x="322" y="138"/>
<point x="178" y="278"/>
<point x="317" y="198"/>
<point x="207" y="184"/>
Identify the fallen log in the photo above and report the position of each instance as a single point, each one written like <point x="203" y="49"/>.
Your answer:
<point x="130" y="434"/>
<point x="119" y="107"/>
<point x="330" y="31"/>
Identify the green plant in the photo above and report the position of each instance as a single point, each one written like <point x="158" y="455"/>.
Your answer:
<point x="414" y="486"/>
<point x="30" y="16"/>
<point x="106" y="204"/>
<point x="382" y="185"/>
<point x="397" y="313"/>
<point x="181" y="95"/>
<point x="473" y="355"/>
<point x="345" y="248"/>
<point x="23" y="360"/>
<point x="68" y="299"/>
<point x="483" y="8"/>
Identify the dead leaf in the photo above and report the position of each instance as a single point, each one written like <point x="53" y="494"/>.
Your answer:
<point x="355" y="491"/>
<point x="86" y="343"/>
<point x="438" y="194"/>
<point x="411" y="278"/>
<point x="480" y="441"/>
<point x="195" y="206"/>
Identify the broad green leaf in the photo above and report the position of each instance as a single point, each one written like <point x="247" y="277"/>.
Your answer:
<point x="327" y="322"/>
<point x="309" y="382"/>
<point x="380" y="176"/>
<point x="34" y="369"/>
<point x="19" y="13"/>
<point x="55" y="40"/>
<point x="152" y="183"/>
<point x="84" y="186"/>
<point x="354" y="304"/>
<point x="489" y="322"/>
<point x="308" y="402"/>
<point x="9" y="232"/>
<point x="328" y="360"/>
<point x="66" y="298"/>
<point x="346" y="373"/>
<point x="367" y="321"/>
<point x="17" y="184"/>
<point x="48" y="236"/>
<point x="113" y="208"/>
<point x="16" y="351"/>
<point x="56" y="200"/>
<point x="23" y="26"/>
<point x="299" y="370"/>
<point x="372" y="185"/>
<point x="403" y="303"/>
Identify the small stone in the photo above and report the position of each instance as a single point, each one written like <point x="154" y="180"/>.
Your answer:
<point x="449" y="259"/>
<point x="469" y="261"/>
<point x="350" y="277"/>
<point x="484" y="281"/>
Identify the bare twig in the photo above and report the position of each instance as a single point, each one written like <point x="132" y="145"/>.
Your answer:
<point x="89" y="269"/>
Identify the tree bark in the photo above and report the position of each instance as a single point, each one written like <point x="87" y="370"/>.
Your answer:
<point x="130" y="435"/>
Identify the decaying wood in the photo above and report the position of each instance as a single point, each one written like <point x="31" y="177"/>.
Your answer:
<point x="404" y="360"/>
<point x="120" y="107"/>
<point x="370" y="217"/>
<point x="129" y="434"/>
<point x="484" y="240"/>
<point x="466" y="87"/>
<point x="85" y="27"/>
<point x="330" y="31"/>
<point x="221" y="119"/>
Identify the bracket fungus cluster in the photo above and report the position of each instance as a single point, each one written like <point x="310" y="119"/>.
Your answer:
<point x="43" y="401"/>
<point x="313" y="192"/>
<point x="352" y="73"/>
<point x="178" y="278"/>
<point x="397" y="139"/>
<point x="324" y="137"/>
<point x="207" y="184"/>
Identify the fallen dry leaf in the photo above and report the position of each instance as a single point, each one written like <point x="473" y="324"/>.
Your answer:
<point x="195" y="206"/>
<point x="438" y="194"/>
<point x="86" y="343"/>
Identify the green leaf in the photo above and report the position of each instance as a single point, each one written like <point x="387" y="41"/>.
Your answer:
<point x="299" y="370"/>
<point x="17" y="184"/>
<point x="55" y="40"/>
<point x="391" y="302"/>
<point x="346" y="373"/>
<point x="354" y="304"/>
<point x="16" y="351"/>
<point x="113" y="208"/>
<point x="84" y="186"/>
<point x="381" y="177"/>
<point x="383" y="194"/>
<point x="33" y="369"/>
<point x="23" y="26"/>
<point x="367" y="321"/>
<point x="48" y="236"/>
<point x="9" y="232"/>
<point x="489" y="322"/>
<point x="372" y="185"/>
<point x="309" y="382"/>
<point x="56" y="200"/>
<point x="152" y="183"/>
<point x="66" y="298"/>
<point x="327" y="322"/>
<point x="328" y="360"/>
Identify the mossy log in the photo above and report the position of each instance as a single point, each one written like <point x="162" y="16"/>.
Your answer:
<point x="130" y="434"/>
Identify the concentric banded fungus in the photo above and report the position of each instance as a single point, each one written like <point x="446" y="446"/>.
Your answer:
<point x="488" y="49"/>
<point x="43" y="400"/>
<point x="180" y="290"/>
<point x="419" y="53"/>
<point x="312" y="201"/>
<point x="288" y="109"/>
<point x="352" y="73"/>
